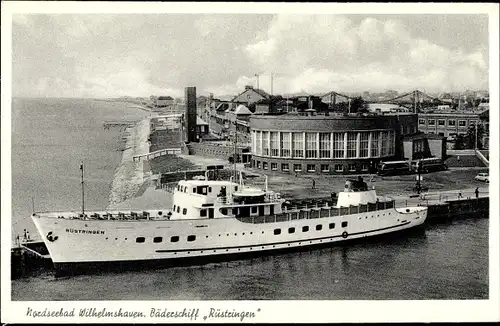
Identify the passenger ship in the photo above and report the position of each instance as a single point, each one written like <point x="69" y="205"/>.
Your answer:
<point x="213" y="220"/>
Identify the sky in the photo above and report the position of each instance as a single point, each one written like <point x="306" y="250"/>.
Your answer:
<point x="110" y="55"/>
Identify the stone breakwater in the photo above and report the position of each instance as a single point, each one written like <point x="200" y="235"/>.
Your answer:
<point x="129" y="175"/>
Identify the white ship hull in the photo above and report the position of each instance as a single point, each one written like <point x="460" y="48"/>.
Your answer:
<point x="78" y="244"/>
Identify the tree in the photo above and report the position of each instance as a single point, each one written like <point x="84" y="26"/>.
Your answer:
<point x="357" y="105"/>
<point x="470" y="138"/>
<point x="459" y="142"/>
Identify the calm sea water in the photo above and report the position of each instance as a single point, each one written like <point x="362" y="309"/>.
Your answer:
<point x="448" y="261"/>
<point x="50" y="138"/>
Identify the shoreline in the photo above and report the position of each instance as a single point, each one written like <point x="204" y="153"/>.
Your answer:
<point x="128" y="176"/>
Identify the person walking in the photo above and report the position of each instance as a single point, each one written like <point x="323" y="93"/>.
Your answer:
<point x="314" y="184"/>
<point x="477" y="192"/>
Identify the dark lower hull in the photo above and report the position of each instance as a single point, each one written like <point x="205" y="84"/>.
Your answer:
<point x="78" y="268"/>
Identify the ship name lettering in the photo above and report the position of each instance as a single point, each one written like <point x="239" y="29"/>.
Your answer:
<point x="84" y="231"/>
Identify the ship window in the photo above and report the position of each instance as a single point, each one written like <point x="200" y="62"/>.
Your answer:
<point x="157" y="239"/>
<point x="194" y="190"/>
<point x="331" y="225"/>
<point x="140" y="239"/>
<point x="174" y="239"/>
<point x="344" y="224"/>
<point x="291" y="230"/>
<point x="203" y="212"/>
<point x="184" y="211"/>
<point x="191" y="238"/>
<point x="277" y="231"/>
<point x="254" y="209"/>
<point x="174" y="207"/>
<point x="178" y="209"/>
<point x="305" y="228"/>
<point x="236" y="188"/>
<point x="223" y="211"/>
<point x="209" y="189"/>
<point x="319" y="227"/>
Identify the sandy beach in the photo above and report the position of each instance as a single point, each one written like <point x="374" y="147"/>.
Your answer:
<point x="129" y="175"/>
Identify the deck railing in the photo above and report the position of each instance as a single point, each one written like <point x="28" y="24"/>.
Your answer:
<point x="316" y="212"/>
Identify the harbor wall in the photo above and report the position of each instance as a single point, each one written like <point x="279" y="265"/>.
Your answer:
<point x="214" y="150"/>
<point x="458" y="208"/>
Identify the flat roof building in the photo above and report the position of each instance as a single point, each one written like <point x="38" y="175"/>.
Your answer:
<point x="327" y="143"/>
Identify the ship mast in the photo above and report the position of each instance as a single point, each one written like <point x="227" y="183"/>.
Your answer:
<point x="83" y="191"/>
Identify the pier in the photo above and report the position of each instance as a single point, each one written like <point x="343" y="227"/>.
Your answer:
<point x="122" y="124"/>
<point x="161" y="152"/>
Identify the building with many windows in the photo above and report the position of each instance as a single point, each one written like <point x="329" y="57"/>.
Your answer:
<point x="448" y="124"/>
<point x="327" y="143"/>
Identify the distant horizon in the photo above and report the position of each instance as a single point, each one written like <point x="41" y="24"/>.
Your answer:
<point x="233" y="95"/>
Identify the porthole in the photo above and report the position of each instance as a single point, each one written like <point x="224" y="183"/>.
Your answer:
<point x="189" y="252"/>
<point x="243" y="233"/>
<point x="206" y="236"/>
<point x="251" y="232"/>
<point x="235" y="233"/>
<point x="116" y="238"/>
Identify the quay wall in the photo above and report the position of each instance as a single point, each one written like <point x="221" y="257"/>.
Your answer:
<point x="458" y="208"/>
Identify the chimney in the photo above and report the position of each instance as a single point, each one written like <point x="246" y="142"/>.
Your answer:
<point x="190" y="114"/>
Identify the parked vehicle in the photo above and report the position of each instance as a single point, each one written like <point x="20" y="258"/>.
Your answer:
<point x="484" y="177"/>
<point x="393" y="168"/>
<point x="429" y="165"/>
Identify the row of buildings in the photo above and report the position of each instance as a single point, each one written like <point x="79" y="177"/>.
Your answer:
<point x="308" y="138"/>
